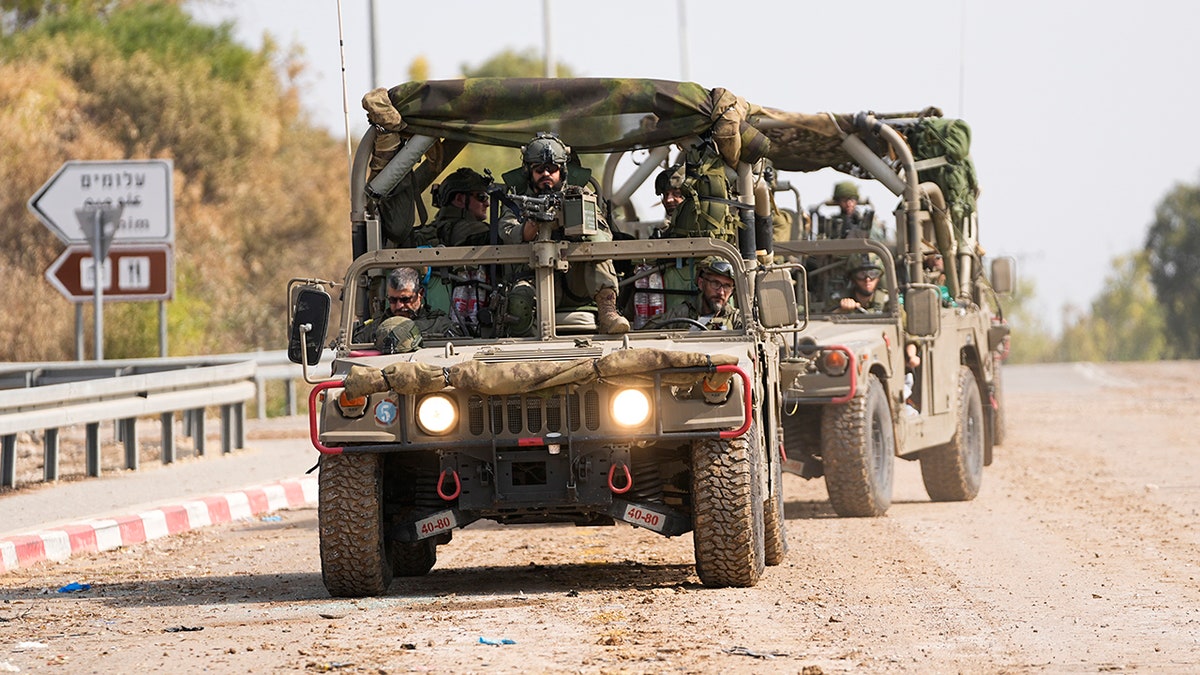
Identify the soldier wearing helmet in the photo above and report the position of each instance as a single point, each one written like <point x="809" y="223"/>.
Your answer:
<point x="463" y="200"/>
<point x="666" y="186"/>
<point x="405" y="299"/>
<point x="544" y="167"/>
<point x="864" y="295"/>
<point x="711" y="305"/>
<point x="851" y="221"/>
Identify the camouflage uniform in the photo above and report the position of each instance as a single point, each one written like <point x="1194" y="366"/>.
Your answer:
<point x="584" y="282"/>
<point x="429" y="322"/>
<point x="875" y="305"/>
<point x="456" y="227"/>
<point x="727" y="319"/>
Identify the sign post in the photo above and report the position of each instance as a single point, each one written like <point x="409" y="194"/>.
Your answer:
<point x="103" y="221"/>
<point x="102" y="203"/>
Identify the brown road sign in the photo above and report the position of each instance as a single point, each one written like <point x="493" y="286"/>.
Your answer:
<point x="129" y="273"/>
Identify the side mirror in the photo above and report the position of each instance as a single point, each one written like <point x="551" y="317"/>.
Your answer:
<point x="310" y="319"/>
<point x="775" y="295"/>
<point x="1004" y="275"/>
<point x="922" y="311"/>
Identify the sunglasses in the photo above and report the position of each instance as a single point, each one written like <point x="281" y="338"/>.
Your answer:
<point x="867" y="274"/>
<point x="402" y="299"/>
<point x="480" y="197"/>
<point x="545" y="168"/>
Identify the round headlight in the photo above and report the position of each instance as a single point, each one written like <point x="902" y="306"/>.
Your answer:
<point x="436" y="414"/>
<point x="631" y="407"/>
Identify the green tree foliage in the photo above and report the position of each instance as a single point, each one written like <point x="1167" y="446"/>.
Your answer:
<point x="258" y="189"/>
<point x="510" y="63"/>
<point x="1125" y="322"/>
<point x="1032" y="340"/>
<point x="1173" y="247"/>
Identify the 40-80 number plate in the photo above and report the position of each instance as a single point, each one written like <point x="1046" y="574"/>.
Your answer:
<point x="643" y="517"/>
<point x="443" y="521"/>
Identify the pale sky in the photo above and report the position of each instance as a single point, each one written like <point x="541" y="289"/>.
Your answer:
<point x="1079" y="110"/>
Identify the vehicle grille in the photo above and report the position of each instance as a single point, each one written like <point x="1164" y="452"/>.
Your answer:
<point x="519" y="414"/>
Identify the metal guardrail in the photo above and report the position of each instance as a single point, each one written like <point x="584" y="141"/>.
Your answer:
<point x="50" y="396"/>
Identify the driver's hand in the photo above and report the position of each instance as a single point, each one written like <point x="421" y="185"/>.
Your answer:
<point x="848" y="304"/>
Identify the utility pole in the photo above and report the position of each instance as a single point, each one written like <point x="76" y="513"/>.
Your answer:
<point x="372" y="8"/>
<point x="684" y="67"/>
<point x="548" y="68"/>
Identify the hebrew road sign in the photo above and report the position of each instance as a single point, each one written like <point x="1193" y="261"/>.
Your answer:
<point x="141" y="188"/>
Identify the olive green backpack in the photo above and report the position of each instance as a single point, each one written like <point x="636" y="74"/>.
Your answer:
<point x="705" y="211"/>
<point x="942" y="148"/>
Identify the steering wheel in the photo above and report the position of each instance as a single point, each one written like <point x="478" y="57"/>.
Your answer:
<point x="683" y="320"/>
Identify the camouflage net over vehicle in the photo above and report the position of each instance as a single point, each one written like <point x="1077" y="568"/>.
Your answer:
<point x="623" y="367"/>
<point x="612" y="115"/>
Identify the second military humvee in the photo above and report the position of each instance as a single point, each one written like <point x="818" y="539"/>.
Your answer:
<point x="852" y="400"/>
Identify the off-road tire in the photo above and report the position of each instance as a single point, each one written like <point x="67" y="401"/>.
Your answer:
<point x="727" y="516"/>
<point x="858" y="448"/>
<point x="775" y="543"/>
<point x="412" y="559"/>
<point x="953" y="472"/>
<point x="354" y="561"/>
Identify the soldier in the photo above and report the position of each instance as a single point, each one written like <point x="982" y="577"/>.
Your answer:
<point x="851" y="222"/>
<point x="711" y="304"/>
<point x="672" y="195"/>
<point x="463" y="205"/>
<point x="544" y="168"/>
<point x="862" y="274"/>
<point x="405" y="296"/>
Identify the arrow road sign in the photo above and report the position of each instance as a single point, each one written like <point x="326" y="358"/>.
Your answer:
<point x="140" y="188"/>
<point x="129" y="273"/>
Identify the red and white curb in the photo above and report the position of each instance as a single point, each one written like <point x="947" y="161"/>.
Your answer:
<point x="104" y="535"/>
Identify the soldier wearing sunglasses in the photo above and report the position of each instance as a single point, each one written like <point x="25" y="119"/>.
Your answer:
<point x="406" y="317"/>
<point x="864" y="294"/>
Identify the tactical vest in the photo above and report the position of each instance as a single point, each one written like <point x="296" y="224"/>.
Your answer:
<point x="705" y="211"/>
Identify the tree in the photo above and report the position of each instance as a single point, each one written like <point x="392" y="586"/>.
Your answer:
<point x="1126" y="319"/>
<point x="1031" y="341"/>
<point x="509" y="63"/>
<point x="259" y="192"/>
<point x="1173" y="247"/>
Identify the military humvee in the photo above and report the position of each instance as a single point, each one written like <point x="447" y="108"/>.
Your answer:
<point x="852" y="402"/>
<point x="668" y="428"/>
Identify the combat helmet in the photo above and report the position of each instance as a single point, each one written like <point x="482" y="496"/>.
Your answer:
<point x="845" y="190"/>
<point x="465" y="180"/>
<point x="715" y="265"/>
<point x="668" y="179"/>
<point x="863" y="261"/>
<point x="546" y="148"/>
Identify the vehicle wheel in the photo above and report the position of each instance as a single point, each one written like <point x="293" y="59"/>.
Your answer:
<point x="953" y="472"/>
<point x="727" y="517"/>
<point x="858" y="447"/>
<point x="354" y="561"/>
<point x="999" y="420"/>
<point x="412" y="559"/>
<point x="775" y="544"/>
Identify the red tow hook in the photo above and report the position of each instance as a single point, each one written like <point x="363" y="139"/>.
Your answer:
<point x="628" y="479"/>
<point x="457" y="486"/>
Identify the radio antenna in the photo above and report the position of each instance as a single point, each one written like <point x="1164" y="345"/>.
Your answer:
<point x="345" y="96"/>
